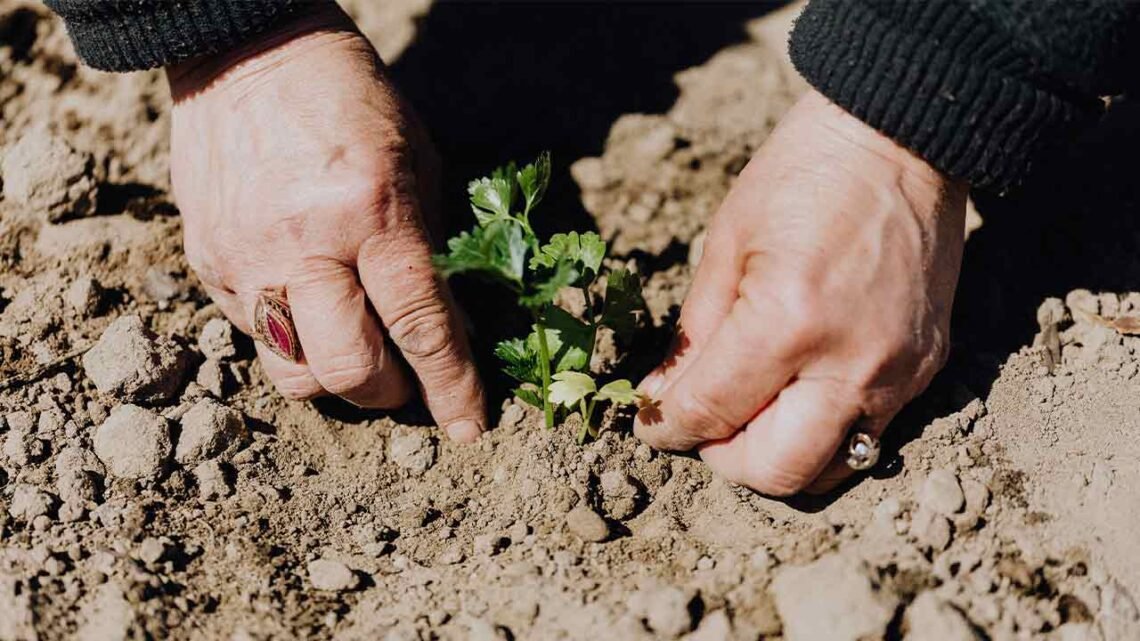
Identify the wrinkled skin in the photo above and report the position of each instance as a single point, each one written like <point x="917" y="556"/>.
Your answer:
<point x="297" y="166"/>
<point x="822" y="301"/>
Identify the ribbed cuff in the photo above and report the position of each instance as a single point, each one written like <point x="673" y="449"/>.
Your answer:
<point x="128" y="35"/>
<point x="935" y="79"/>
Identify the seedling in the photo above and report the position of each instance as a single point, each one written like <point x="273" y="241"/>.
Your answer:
<point x="551" y="363"/>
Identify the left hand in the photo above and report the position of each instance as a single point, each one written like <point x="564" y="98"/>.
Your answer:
<point x="822" y="302"/>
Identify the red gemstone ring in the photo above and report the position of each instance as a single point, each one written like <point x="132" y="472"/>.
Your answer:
<point x="273" y="325"/>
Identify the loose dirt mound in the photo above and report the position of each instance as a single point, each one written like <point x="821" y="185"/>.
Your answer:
<point x="1005" y="511"/>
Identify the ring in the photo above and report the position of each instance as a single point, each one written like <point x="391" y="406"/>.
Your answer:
<point x="862" y="451"/>
<point x="273" y="326"/>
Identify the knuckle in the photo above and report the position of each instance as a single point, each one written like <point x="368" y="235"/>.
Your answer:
<point x="422" y="329"/>
<point x="347" y="374"/>
<point x="298" y="387"/>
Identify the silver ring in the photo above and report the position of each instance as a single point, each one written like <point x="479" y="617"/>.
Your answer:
<point x="862" y="451"/>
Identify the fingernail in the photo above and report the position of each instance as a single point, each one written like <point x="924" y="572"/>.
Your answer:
<point x="466" y="431"/>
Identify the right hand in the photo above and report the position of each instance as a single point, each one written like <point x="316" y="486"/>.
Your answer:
<point x="297" y="166"/>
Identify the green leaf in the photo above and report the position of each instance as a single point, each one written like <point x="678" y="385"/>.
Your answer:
<point x="624" y="304"/>
<point x="534" y="180"/>
<point x="544" y="288"/>
<point x="497" y="250"/>
<point x="570" y="387"/>
<point x="586" y="251"/>
<point x="529" y="396"/>
<point x="619" y="392"/>
<point x="492" y="198"/>
<point x="575" y="340"/>
<point x="520" y="360"/>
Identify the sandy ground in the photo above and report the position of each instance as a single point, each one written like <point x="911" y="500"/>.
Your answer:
<point x="153" y="486"/>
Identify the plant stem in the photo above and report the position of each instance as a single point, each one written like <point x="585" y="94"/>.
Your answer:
<point x="544" y="369"/>
<point x="589" y="306"/>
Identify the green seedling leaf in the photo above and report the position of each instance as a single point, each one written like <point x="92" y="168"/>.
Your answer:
<point x="574" y="339"/>
<point x="569" y="388"/>
<point x="545" y="288"/>
<point x="497" y="250"/>
<point x="534" y="180"/>
<point x="619" y="392"/>
<point x="492" y="198"/>
<point x="520" y="360"/>
<point x="530" y="396"/>
<point x="624" y="304"/>
<point x="585" y="251"/>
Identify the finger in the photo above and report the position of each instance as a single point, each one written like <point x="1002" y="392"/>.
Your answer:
<point x="341" y="337"/>
<point x="837" y="471"/>
<point x="790" y="443"/>
<point x="416" y="307"/>
<point x="729" y="381"/>
<point x="231" y="306"/>
<point x="707" y="303"/>
<point x="292" y="380"/>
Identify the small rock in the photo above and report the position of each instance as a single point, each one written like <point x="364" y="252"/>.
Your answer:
<point x="212" y="377"/>
<point x="217" y="340"/>
<point x="587" y="525"/>
<point x="668" y="610"/>
<point x="29" y="502"/>
<point x="1051" y="313"/>
<point x="931" y="529"/>
<point x="619" y="494"/>
<point x="130" y="362"/>
<point x="849" y="609"/>
<point x="162" y="286"/>
<point x="78" y="474"/>
<point x="715" y="626"/>
<point x="331" y="576"/>
<point x="71" y="512"/>
<point x="85" y="296"/>
<point x="411" y="449"/>
<point x="22" y="447"/>
<point x="133" y="443"/>
<point x="44" y="173"/>
<point x="929" y="618"/>
<point x="489" y="544"/>
<point x="451" y="556"/>
<point x="1082" y="300"/>
<point x="151" y="550"/>
<point x="941" y="493"/>
<point x="211" y="480"/>
<point x="209" y="429"/>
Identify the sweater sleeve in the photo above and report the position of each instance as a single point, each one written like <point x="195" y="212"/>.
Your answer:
<point x="975" y="87"/>
<point x="131" y="35"/>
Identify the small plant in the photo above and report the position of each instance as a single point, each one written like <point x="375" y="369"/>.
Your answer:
<point x="552" y="363"/>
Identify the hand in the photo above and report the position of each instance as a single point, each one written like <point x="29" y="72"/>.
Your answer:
<point x="822" y="302"/>
<point x="296" y="165"/>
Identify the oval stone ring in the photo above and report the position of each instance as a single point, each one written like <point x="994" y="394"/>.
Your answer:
<point x="862" y="451"/>
<point x="273" y="325"/>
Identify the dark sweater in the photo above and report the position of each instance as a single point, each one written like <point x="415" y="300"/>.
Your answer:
<point x="976" y="87"/>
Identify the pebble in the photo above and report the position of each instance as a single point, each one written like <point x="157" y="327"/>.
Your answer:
<point x="331" y="576"/>
<point x="151" y="550"/>
<point x="941" y="493"/>
<point x="29" y="502"/>
<point x="587" y="525"/>
<point x="931" y="529"/>
<point x="162" y="286"/>
<point x="666" y="608"/>
<point x="212" y="481"/>
<point x="78" y="474"/>
<point x="489" y="544"/>
<point x="85" y="296"/>
<point x="133" y="443"/>
<point x="209" y="429"/>
<point x="212" y="377"/>
<point x="216" y="341"/>
<point x="849" y="609"/>
<point x="411" y="449"/>
<point x="929" y="618"/>
<point x="22" y="447"/>
<point x="44" y="173"/>
<point x="619" y="494"/>
<point x="133" y="364"/>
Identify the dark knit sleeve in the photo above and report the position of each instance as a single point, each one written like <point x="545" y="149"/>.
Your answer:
<point x="130" y="35"/>
<point x="976" y="88"/>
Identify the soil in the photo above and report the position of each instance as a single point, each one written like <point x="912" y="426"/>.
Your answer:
<point x="1005" y="507"/>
